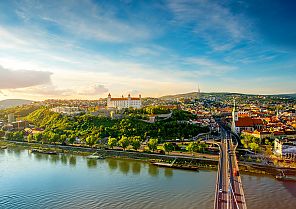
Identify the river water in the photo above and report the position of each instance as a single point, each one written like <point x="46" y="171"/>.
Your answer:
<point x="65" y="181"/>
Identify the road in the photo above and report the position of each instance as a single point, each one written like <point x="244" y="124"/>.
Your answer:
<point x="229" y="191"/>
<point x="222" y="181"/>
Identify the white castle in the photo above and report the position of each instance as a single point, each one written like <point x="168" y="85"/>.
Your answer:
<point x="124" y="102"/>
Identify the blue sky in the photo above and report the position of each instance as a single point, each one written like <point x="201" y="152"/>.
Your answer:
<point x="85" y="49"/>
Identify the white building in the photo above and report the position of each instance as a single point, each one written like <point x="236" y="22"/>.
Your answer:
<point x="124" y="102"/>
<point x="285" y="148"/>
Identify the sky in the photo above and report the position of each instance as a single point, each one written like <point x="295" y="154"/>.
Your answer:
<point x="84" y="49"/>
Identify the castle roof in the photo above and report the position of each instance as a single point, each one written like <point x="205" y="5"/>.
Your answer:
<point x="122" y="99"/>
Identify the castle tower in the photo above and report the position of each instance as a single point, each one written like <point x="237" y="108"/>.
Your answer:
<point x="129" y="99"/>
<point x="109" y="99"/>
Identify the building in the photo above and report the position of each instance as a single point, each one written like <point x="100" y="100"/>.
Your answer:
<point x="10" y="118"/>
<point x="124" y="102"/>
<point x="68" y="110"/>
<point x="285" y="148"/>
<point x="245" y="122"/>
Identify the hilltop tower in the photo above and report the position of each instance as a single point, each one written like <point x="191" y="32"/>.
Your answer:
<point x="198" y="92"/>
<point x="234" y="118"/>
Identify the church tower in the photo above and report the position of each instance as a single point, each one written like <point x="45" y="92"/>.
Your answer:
<point x="234" y="118"/>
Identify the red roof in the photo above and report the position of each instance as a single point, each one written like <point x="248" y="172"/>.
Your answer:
<point x="121" y="99"/>
<point x="257" y="121"/>
<point x="248" y="122"/>
<point x="244" y="122"/>
<point x="113" y="99"/>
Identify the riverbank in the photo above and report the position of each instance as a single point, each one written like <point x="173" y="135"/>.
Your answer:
<point x="179" y="161"/>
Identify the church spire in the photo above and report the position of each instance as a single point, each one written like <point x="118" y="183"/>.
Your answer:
<point x="234" y="117"/>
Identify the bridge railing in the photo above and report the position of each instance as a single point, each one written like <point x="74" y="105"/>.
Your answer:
<point x="216" y="203"/>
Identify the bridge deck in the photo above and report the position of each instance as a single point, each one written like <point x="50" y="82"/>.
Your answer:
<point x="229" y="191"/>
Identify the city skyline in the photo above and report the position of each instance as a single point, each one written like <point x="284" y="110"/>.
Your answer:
<point x="85" y="49"/>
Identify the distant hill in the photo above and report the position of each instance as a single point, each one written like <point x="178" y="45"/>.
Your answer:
<point x="194" y="94"/>
<point x="286" y="95"/>
<point x="13" y="102"/>
<point x="175" y="96"/>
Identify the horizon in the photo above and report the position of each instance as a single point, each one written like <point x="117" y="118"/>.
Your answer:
<point x="144" y="97"/>
<point x="86" y="49"/>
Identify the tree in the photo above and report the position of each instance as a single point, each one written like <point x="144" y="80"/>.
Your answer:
<point x="38" y="137"/>
<point x="268" y="150"/>
<point x="91" y="140"/>
<point x="192" y="147"/>
<point x="112" y="142"/>
<point x="253" y="146"/>
<point x="63" y="138"/>
<point x="135" y="142"/>
<point x="53" y="138"/>
<point x="152" y="144"/>
<point x="123" y="142"/>
<point x="202" y="147"/>
<point x="19" y="135"/>
<point x="72" y="139"/>
<point x="168" y="147"/>
<point x="2" y="133"/>
<point x="30" y="138"/>
<point x="9" y="135"/>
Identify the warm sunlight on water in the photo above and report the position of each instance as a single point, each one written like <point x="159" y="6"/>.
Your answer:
<point x="43" y="181"/>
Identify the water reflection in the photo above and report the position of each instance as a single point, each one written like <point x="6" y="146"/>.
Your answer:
<point x="39" y="156"/>
<point x="112" y="164"/>
<point x="91" y="163"/>
<point x="64" y="159"/>
<point x="291" y="187"/>
<point x="168" y="172"/>
<point x="72" y="160"/>
<point x="124" y="166"/>
<point x="17" y="152"/>
<point x="136" y="168"/>
<point x="54" y="159"/>
<point x="10" y="151"/>
<point x="153" y="170"/>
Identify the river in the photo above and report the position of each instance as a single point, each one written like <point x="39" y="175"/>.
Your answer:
<point x="67" y="181"/>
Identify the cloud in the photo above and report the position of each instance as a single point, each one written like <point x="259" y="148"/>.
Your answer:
<point x="216" y="24"/>
<point x="207" y="67"/>
<point x="44" y="90"/>
<point x="2" y="93"/>
<point x="13" y="79"/>
<point x="93" y="90"/>
<point x="54" y="91"/>
<point x="84" y="19"/>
